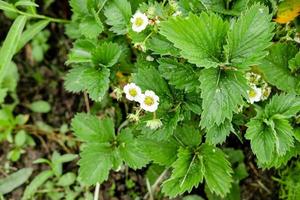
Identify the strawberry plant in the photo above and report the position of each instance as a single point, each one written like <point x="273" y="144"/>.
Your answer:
<point x="189" y="70"/>
<point x="155" y="99"/>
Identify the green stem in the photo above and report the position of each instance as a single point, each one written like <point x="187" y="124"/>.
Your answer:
<point x="42" y="17"/>
<point x="103" y="4"/>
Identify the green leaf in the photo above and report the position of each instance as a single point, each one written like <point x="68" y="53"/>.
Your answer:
<point x="270" y="135"/>
<point x="269" y="132"/>
<point x="26" y="3"/>
<point x="160" y="152"/>
<point x="160" y="45"/>
<point x="287" y="105"/>
<point x="31" y="32"/>
<point x="10" y="81"/>
<point x="218" y="172"/>
<point x="262" y="140"/>
<point x="149" y="78"/>
<point x="95" y="163"/>
<point x="66" y="158"/>
<point x="222" y="93"/>
<point x="200" y="38"/>
<point x="94" y="81"/>
<point x="20" y="138"/>
<point x="7" y="6"/>
<point x="3" y="93"/>
<point x="79" y="7"/>
<point x="294" y="63"/>
<point x="10" y="44"/>
<point x="192" y="165"/>
<point x="129" y="150"/>
<point x="188" y="172"/>
<point x="91" y="26"/>
<point x="177" y="72"/>
<point x="40" y="106"/>
<point x="67" y="179"/>
<point x="188" y="135"/>
<point x="107" y="54"/>
<point x="118" y="13"/>
<point x="217" y="134"/>
<point x="249" y="37"/>
<point x="38" y="181"/>
<point x="81" y="51"/>
<point x="90" y="128"/>
<point x="275" y="67"/>
<point x="14" y="180"/>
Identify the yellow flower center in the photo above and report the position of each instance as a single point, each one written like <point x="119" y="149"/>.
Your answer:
<point x="139" y="21"/>
<point x="149" y="101"/>
<point x="133" y="92"/>
<point x="252" y="93"/>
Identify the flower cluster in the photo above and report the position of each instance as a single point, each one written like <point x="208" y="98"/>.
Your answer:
<point x="149" y="101"/>
<point x="259" y="89"/>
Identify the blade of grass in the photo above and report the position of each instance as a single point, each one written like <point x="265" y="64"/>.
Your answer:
<point x="10" y="44"/>
<point x="31" y="32"/>
<point x="7" y="7"/>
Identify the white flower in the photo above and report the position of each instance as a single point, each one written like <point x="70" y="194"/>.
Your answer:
<point x="132" y="92"/>
<point x="154" y="124"/>
<point x="139" y="21"/>
<point x="254" y="94"/>
<point x="149" y="101"/>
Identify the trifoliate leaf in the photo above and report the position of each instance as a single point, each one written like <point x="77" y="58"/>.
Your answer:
<point x="95" y="163"/>
<point x="218" y="172"/>
<point x="188" y="172"/>
<point x="277" y="138"/>
<point x="94" y="81"/>
<point x="192" y="165"/>
<point x="106" y="54"/>
<point x="249" y="37"/>
<point x="275" y="67"/>
<point x="129" y="150"/>
<point x="90" y="128"/>
<point x="118" y="13"/>
<point x="200" y="38"/>
<point x="222" y="93"/>
<point x="177" y="72"/>
<point x="217" y="134"/>
<point x="269" y="132"/>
